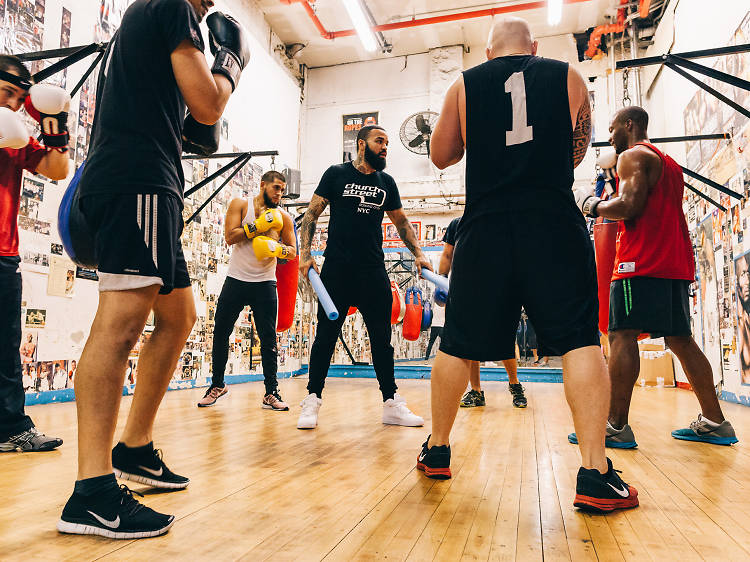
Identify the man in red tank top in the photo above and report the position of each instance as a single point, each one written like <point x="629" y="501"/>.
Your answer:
<point x="654" y="268"/>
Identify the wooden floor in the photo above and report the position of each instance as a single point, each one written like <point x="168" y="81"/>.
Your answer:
<point x="261" y="489"/>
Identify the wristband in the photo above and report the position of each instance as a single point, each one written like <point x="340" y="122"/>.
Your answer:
<point x="250" y="231"/>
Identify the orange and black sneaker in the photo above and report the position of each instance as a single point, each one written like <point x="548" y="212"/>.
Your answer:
<point x="435" y="461"/>
<point x="603" y="493"/>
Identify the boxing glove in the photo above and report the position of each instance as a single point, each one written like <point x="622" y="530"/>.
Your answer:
<point x="198" y="138"/>
<point x="269" y="219"/>
<point x="228" y="45"/>
<point x="49" y="106"/>
<point x="13" y="133"/>
<point x="265" y="247"/>
<point x="586" y="201"/>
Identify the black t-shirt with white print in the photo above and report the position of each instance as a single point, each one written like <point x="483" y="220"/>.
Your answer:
<point x="358" y="202"/>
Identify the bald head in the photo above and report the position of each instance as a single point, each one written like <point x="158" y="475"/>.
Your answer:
<point x="510" y="36"/>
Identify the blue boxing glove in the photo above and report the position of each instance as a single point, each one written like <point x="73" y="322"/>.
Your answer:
<point x="441" y="297"/>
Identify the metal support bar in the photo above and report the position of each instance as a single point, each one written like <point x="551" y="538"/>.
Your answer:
<point x="231" y="155"/>
<point x="245" y="160"/>
<point x="86" y="74"/>
<point x="712" y="183"/>
<point x="707" y="88"/>
<point x="78" y="54"/>
<point x="706" y="197"/>
<point x="215" y="175"/>
<point x="349" y="353"/>
<point x="648" y="61"/>
<point x="659" y="140"/>
<point x="56" y="53"/>
<point x="710" y="72"/>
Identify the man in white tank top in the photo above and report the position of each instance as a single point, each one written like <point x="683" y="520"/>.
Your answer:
<point x="260" y="233"/>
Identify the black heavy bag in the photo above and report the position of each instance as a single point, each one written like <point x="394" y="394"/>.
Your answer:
<point x="76" y="236"/>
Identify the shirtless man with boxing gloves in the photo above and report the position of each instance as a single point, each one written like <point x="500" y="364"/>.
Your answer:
<point x="260" y="233"/>
<point x="18" y="151"/>
<point x="131" y="195"/>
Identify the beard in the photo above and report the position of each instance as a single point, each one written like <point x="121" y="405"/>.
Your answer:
<point x="269" y="202"/>
<point x="377" y="162"/>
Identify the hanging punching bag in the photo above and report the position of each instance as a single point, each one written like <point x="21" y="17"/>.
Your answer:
<point x="395" y="303"/>
<point x="413" y="315"/>
<point x="605" y="238"/>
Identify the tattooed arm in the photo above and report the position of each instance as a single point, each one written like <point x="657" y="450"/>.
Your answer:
<point x="307" y="230"/>
<point x="580" y="107"/>
<point x="409" y="237"/>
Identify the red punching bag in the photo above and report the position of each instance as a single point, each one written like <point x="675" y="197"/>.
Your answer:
<point x="413" y="316"/>
<point x="396" y="303"/>
<point x="605" y="245"/>
<point x="605" y="239"/>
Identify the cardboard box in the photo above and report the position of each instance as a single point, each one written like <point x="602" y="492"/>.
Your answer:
<point x="656" y="368"/>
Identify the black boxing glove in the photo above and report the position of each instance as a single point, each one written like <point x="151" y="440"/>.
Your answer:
<point x="198" y="138"/>
<point x="229" y="45"/>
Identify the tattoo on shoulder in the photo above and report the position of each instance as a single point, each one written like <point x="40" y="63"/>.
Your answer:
<point x="582" y="133"/>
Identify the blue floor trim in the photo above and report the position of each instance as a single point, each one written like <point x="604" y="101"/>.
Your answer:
<point x="732" y="397"/>
<point x="68" y="395"/>
<point x="525" y="374"/>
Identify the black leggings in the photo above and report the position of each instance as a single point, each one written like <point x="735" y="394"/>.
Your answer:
<point x="370" y="291"/>
<point x="12" y="418"/>
<point x="236" y="295"/>
<point x="435" y="333"/>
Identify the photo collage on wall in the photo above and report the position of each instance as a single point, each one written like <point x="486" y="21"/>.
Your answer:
<point x="722" y="301"/>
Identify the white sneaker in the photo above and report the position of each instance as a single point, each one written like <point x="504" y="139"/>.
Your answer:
<point x="308" y="418"/>
<point x="395" y="412"/>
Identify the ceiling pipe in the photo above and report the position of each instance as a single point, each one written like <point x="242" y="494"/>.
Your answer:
<point x="595" y="38"/>
<point x="488" y="12"/>
<point x="324" y="33"/>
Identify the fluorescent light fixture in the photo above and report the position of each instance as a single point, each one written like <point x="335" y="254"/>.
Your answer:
<point x="361" y="25"/>
<point x="554" y="11"/>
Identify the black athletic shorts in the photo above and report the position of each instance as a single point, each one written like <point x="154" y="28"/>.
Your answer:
<point x="659" y="307"/>
<point x="541" y="261"/>
<point x="137" y="240"/>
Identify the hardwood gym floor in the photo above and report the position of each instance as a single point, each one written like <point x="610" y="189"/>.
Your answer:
<point x="261" y="489"/>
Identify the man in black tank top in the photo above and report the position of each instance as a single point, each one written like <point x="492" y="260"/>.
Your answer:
<point x="525" y="123"/>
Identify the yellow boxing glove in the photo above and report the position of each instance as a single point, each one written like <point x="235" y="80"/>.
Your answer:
<point x="265" y="247"/>
<point x="270" y="219"/>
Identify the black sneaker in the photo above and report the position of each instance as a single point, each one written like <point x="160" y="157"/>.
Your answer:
<point x="603" y="493"/>
<point x="145" y="468"/>
<point x="519" y="398"/>
<point x="435" y="461"/>
<point x="469" y="399"/>
<point x="30" y="441"/>
<point x="116" y="514"/>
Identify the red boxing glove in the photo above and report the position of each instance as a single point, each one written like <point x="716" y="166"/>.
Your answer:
<point x="49" y="106"/>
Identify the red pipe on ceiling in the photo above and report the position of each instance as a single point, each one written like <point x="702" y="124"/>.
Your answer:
<point x="488" y="12"/>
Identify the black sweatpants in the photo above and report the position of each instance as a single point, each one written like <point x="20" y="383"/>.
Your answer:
<point x="12" y="418"/>
<point x="368" y="289"/>
<point x="435" y="333"/>
<point x="236" y="295"/>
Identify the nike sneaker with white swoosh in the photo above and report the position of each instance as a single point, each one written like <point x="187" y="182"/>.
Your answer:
<point x="145" y="466"/>
<point x="435" y="461"/>
<point x="115" y="514"/>
<point x="603" y="493"/>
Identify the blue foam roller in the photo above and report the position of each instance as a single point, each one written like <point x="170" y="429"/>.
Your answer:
<point x="439" y="281"/>
<point x="323" y="296"/>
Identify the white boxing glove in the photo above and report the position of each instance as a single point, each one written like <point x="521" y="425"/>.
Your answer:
<point x="586" y="201"/>
<point x="49" y="105"/>
<point x="13" y="133"/>
<point x="607" y="160"/>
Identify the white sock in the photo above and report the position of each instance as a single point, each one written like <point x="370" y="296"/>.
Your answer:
<point x="710" y="423"/>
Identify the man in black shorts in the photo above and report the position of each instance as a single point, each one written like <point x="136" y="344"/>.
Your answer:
<point x="354" y="272"/>
<point x="509" y="113"/>
<point x="650" y="281"/>
<point x="131" y="195"/>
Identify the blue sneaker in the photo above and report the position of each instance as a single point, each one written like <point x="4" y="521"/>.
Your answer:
<point x="699" y="430"/>
<point x="616" y="438"/>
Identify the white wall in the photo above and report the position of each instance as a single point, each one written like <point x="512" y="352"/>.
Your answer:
<point x="395" y="87"/>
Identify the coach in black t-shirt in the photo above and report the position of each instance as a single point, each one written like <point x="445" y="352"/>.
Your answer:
<point x="359" y="193"/>
<point x="131" y="197"/>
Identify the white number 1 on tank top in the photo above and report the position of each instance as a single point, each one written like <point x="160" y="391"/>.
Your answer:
<point x="515" y="85"/>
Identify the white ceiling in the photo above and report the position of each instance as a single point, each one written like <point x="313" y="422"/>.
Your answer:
<point x="293" y="25"/>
